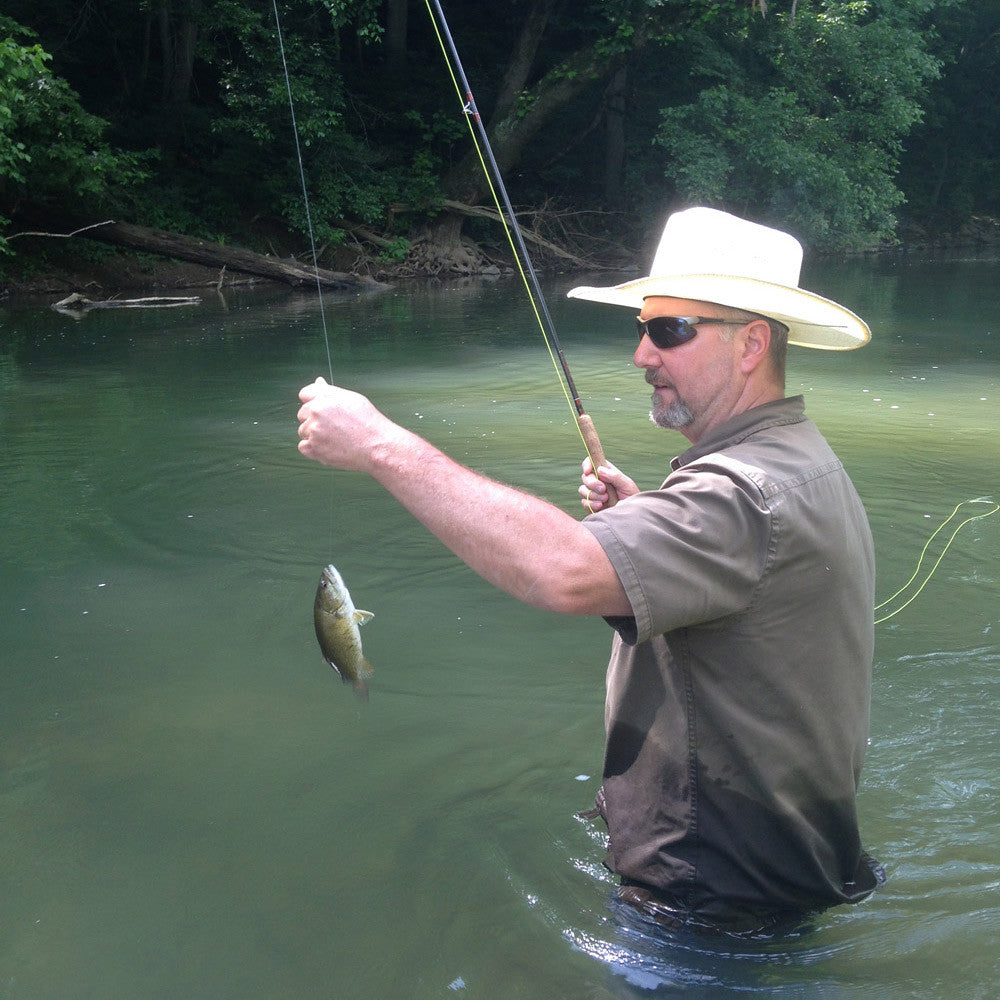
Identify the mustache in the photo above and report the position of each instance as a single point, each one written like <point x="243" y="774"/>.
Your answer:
<point x="657" y="383"/>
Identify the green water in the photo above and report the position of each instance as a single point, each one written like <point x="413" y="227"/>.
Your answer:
<point x="193" y="806"/>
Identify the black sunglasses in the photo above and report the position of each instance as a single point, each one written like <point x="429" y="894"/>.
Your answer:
<point x="672" y="331"/>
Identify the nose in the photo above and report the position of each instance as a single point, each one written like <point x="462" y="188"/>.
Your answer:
<point x="646" y="354"/>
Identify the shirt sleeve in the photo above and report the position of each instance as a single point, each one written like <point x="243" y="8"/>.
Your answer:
<point x="691" y="552"/>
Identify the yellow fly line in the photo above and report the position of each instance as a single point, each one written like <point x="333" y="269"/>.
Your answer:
<point x="975" y="517"/>
<point x="582" y="421"/>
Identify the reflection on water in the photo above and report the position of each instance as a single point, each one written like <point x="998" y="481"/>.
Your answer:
<point x="191" y="804"/>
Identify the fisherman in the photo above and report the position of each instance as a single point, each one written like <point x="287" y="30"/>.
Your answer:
<point x="740" y="591"/>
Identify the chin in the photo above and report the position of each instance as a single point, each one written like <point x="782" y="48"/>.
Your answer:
<point x="674" y="416"/>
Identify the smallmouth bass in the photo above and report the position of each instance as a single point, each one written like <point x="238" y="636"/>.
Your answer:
<point x="337" y="622"/>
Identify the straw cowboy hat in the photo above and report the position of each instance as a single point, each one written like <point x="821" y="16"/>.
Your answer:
<point x="711" y="256"/>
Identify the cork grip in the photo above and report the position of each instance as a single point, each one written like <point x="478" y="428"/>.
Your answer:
<point x="595" y="451"/>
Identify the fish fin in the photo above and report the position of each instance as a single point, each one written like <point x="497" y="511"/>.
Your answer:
<point x="362" y="616"/>
<point x="359" y="685"/>
<point x="365" y="670"/>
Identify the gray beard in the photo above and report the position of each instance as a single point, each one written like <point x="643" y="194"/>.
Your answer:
<point x="673" y="416"/>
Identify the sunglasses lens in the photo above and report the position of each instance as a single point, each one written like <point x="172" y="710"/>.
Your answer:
<point x="667" y="331"/>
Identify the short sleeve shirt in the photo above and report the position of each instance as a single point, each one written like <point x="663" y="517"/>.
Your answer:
<point x="738" y="690"/>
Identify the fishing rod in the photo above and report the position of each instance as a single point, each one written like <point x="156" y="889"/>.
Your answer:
<point x="512" y="228"/>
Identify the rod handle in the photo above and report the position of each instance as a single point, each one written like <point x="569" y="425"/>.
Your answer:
<point x="596" y="452"/>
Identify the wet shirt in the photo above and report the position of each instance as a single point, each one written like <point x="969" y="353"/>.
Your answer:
<point x="738" y="691"/>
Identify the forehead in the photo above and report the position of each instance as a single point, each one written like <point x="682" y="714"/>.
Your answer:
<point x="665" y="305"/>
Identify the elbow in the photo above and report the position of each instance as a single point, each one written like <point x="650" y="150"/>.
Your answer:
<point x="571" y="575"/>
<point x="572" y="594"/>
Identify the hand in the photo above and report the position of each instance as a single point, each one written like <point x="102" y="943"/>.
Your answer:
<point x="338" y="427"/>
<point x="593" y="489"/>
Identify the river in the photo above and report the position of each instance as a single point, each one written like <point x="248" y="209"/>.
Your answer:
<point x="193" y="806"/>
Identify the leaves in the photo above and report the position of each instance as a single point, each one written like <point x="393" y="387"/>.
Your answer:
<point x="50" y="148"/>
<point x="798" y="110"/>
<point x="809" y="124"/>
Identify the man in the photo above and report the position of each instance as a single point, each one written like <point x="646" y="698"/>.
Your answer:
<point x="741" y="591"/>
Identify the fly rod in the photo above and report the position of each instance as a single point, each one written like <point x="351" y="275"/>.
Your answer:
<point x="513" y="230"/>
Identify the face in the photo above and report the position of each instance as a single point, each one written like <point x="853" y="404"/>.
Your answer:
<point x="696" y="385"/>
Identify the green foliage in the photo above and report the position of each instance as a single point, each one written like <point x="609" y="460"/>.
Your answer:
<point x="807" y="119"/>
<point x="51" y="149"/>
<point x="951" y="164"/>
<point x="278" y="103"/>
<point x="801" y="116"/>
<point x="21" y="69"/>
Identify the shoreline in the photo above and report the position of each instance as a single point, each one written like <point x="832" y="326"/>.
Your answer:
<point x="110" y="274"/>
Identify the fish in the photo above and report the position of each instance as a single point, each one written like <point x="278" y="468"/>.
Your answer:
<point x="337" y="622"/>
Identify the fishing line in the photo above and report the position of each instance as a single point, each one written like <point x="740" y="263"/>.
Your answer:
<point x="305" y="190"/>
<point x="512" y="229"/>
<point x="309" y="227"/>
<point x="926" y="580"/>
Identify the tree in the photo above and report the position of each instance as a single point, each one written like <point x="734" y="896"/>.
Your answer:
<point x="951" y="162"/>
<point x="51" y="149"/>
<point x="802" y="117"/>
<point x="793" y="111"/>
<point x="546" y="71"/>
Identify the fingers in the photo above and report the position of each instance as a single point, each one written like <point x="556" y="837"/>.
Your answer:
<point x="593" y="493"/>
<point x="594" y="484"/>
<point x="310" y="392"/>
<point x="337" y="426"/>
<point x="307" y="394"/>
<point x="306" y="415"/>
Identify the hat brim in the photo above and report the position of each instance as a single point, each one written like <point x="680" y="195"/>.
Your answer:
<point x="812" y="320"/>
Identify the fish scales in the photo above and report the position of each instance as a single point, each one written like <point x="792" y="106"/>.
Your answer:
<point x="337" y="629"/>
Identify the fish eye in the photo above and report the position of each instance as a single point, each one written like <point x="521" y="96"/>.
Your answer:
<point x="322" y="581"/>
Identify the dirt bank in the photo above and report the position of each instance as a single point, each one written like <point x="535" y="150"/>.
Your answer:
<point x="105" y="275"/>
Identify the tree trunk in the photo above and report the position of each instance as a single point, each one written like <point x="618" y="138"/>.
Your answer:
<point x="177" y="43"/>
<point x="510" y="134"/>
<point x="395" y="31"/>
<point x="523" y="57"/>
<point x="614" y="147"/>
<point x="512" y="131"/>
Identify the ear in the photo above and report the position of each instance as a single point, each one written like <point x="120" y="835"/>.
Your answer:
<point x="755" y="340"/>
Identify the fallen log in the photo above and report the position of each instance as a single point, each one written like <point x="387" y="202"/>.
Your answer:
<point x="80" y="303"/>
<point x="198" y="251"/>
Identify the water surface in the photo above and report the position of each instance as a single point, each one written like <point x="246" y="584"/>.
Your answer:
<point x="192" y="805"/>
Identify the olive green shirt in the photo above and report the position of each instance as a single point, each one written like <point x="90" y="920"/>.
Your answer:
<point x="738" y="692"/>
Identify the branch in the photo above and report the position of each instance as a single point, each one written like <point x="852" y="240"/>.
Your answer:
<point x="63" y="236"/>
<point x="482" y="212"/>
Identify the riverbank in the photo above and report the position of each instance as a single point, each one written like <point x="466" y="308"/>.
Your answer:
<point x="104" y="272"/>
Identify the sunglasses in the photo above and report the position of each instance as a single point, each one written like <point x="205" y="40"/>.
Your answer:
<point x="672" y="331"/>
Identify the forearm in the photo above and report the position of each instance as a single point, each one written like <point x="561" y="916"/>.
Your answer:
<point x="520" y="543"/>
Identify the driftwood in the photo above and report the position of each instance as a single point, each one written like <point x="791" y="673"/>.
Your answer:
<point x="77" y="303"/>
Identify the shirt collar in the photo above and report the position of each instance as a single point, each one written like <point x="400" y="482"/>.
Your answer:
<point x="736" y="429"/>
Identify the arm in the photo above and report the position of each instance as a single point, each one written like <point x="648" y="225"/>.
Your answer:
<point x="520" y="543"/>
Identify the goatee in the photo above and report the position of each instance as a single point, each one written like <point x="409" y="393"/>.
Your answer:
<point x="672" y="416"/>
